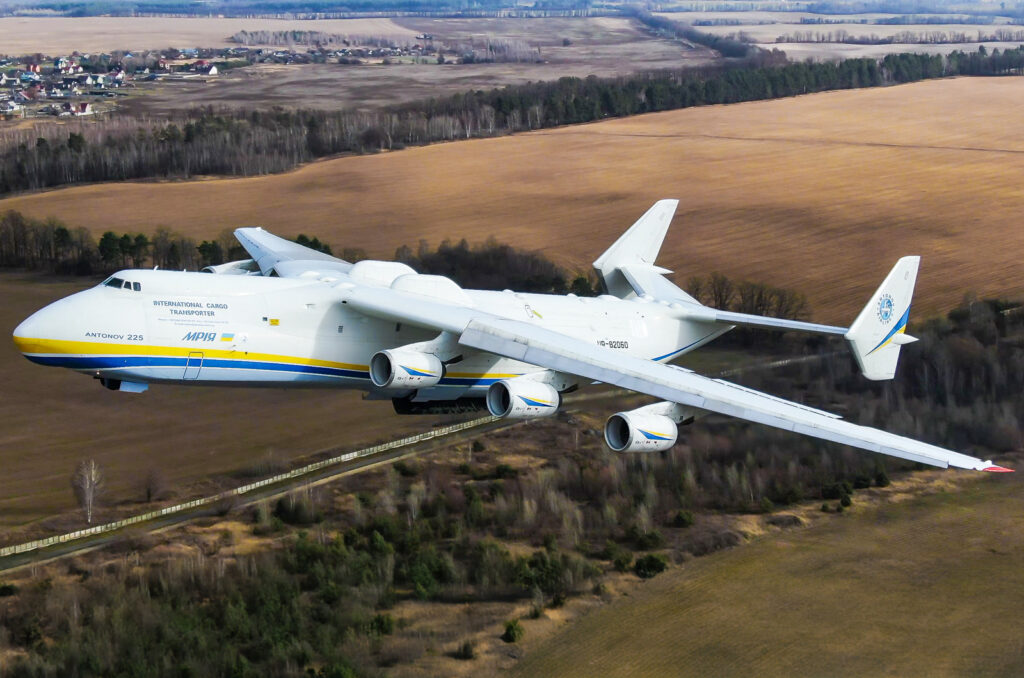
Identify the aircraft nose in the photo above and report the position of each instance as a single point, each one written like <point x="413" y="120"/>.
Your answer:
<point x="29" y="330"/>
<point x="38" y="333"/>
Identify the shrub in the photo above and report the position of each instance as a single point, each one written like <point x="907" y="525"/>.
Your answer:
<point x="649" y="565"/>
<point x="7" y="589"/>
<point x="297" y="510"/>
<point x="645" y="541"/>
<point x="404" y="469"/>
<point x="845" y="501"/>
<point x="825" y="508"/>
<point x="766" y="505"/>
<point x="882" y="479"/>
<point x="683" y="518"/>
<point x="513" y="631"/>
<point x="861" y="481"/>
<point x="465" y="651"/>
<point x="623" y="561"/>
<point x="478" y="446"/>
<point x="382" y="625"/>
<point x="505" y="471"/>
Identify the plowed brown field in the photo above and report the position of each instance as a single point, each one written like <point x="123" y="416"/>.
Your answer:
<point x="821" y="193"/>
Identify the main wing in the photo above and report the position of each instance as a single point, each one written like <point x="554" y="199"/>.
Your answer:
<point x="545" y="348"/>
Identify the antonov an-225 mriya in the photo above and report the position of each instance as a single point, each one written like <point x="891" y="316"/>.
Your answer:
<point x="294" y="317"/>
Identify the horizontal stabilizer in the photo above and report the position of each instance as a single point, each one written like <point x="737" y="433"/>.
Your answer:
<point x="639" y="246"/>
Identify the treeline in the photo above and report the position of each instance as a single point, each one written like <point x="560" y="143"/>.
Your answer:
<point x="904" y="37"/>
<point x="745" y="296"/>
<point x="727" y="47"/>
<point x="51" y="246"/>
<point x="316" y="38"/>
<point x="495" y="266"/>
<point x="920" y="20"/>
<point x="205" y="142"/>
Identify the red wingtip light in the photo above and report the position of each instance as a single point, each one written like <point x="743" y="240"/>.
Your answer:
<point x="998" y="469"/>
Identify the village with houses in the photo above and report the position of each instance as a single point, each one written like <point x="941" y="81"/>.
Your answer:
<point x="88" y="84"/>
<point x="39" y="86"/>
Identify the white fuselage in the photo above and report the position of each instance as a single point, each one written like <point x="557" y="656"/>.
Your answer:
<point x="201" y="328"/>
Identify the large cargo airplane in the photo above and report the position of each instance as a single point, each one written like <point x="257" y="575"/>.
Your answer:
<point x="295" y="317"/>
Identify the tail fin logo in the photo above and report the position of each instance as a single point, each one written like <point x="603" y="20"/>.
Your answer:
<point x="885" y="309"/>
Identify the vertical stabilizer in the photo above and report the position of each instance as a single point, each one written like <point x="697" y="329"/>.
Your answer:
<point x="638" y="246"/>
<point x="879" y="331"/>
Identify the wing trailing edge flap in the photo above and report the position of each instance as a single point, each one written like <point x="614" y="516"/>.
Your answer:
<point x="558" y="352"/>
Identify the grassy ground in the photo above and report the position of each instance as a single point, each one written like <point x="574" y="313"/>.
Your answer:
<point x="820" y="193"/>
<point x="933" y="586"/>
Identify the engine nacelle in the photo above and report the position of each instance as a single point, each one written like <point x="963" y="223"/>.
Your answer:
<point x="522" y="399"/>
<point x="640" y="432"/>
<point x="244" y="267"/>
<point x="404" y="369"/>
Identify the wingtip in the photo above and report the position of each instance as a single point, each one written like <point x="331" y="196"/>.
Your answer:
<point x="997" y="469"/>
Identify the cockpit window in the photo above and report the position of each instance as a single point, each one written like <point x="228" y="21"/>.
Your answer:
<point x="121" y="283"/>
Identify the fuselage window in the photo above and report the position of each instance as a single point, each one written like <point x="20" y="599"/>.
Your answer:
<point x="127" y="285"/>
<point x="114" y="282"/>
<point x="137" y="287"/>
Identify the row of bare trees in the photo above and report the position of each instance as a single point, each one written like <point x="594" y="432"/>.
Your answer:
<point x="904" y="37"/>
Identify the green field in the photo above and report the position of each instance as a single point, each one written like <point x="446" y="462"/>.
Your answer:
<point x="931" y="586"/>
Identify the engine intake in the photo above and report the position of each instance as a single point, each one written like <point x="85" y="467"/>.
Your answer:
<point x="522" y="399"/>
<point x="640" y="432"/>
<point x="399" y="369"/>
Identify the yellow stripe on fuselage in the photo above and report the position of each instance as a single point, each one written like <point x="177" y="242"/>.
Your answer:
<point x="60" y="346"/>
<point x="97" y="348"/>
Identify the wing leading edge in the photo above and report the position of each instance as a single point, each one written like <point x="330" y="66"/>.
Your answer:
<point x="545" y="348"/>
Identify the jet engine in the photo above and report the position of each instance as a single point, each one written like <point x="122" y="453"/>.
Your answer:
<point x="244" y="267"/>
<point x="522" y="399"/>
<point x="653" y="428"/>
<point x="404" y="369"/>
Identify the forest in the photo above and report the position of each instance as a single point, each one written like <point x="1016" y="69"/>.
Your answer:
<point x="246" y="143"/>
<point x="323" y="600"/>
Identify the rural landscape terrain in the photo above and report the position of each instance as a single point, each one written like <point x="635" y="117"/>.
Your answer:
<point x="810" y="146"/>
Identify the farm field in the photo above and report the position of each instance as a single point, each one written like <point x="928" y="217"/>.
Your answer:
<point x="765" y="27"/>
<point x="601" y="46"/>
<point x="54" y="418"/>
<point x="876" y="592"/>
<point x="820" y="193"/>
<point x="62" y="35"/>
